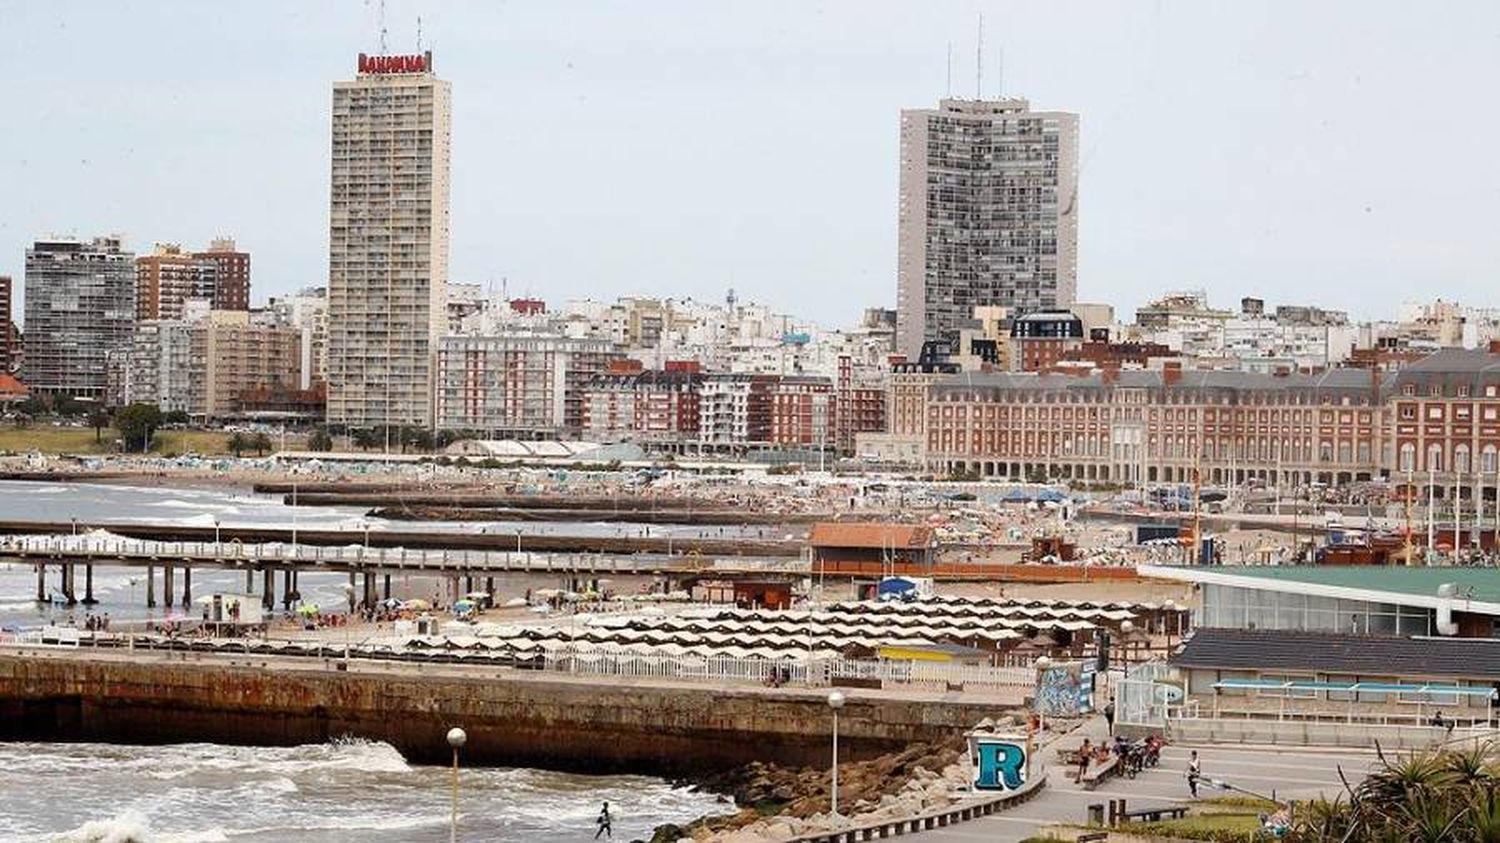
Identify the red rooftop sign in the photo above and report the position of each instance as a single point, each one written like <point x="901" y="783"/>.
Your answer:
<point x="395" y="64"/>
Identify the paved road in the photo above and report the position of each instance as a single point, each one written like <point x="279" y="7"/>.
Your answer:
<point x="1299" y="774"/>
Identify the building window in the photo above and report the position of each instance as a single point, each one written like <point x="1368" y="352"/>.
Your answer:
<point x="1434" y="457"/>
<point x="1487" y="459"/>
<point x="1408" y="457"/>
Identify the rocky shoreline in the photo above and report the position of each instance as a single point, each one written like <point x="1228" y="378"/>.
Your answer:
<point x="778" y="803"/>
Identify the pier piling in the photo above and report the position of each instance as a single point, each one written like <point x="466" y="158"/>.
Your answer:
<point x="167" y="586"/>
<point x="286" y="589"/>
<point x="151" y="586"/>
<point x="268" y="590"/>
<point x="387" y="587"/>
<point x="88" y="584"/>
<point x="187" y="587"/>
<point x="67" y="583"/>
<point x="41" y="582"/>
<point x="249" y="581"/>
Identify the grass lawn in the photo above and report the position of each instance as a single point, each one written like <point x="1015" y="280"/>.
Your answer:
<point x="81" y="440"/>
<point x="1226" y="824"/>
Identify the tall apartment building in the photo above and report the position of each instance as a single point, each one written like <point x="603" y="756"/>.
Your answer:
<point x="388" y="241"/>
<point x="80" y="307"/>
<point x="208" y="363"/>
<point x="517" y="385"/>
<point x="9" y="337"/>
<point x="988" y="214"/>
<point x="167" y="278"/>
<point x="231" y="274"/>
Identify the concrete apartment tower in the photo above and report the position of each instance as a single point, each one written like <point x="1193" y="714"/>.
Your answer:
<point x="388" y="241"/>
<point x="988" y="215"/>
<point x="80" y="308"/>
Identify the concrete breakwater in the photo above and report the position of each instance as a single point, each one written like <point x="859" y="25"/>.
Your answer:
<point x="633" y="516"/>
<point x="417" y="539"/>
<point x="459" y="499"/>
<point x="668" y="729"/>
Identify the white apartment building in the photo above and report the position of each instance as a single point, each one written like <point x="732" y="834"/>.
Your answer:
<point x="988" y="214"/>
<point x="388" y="241"/>
<point x="516" y="385"/>
<point x="307" y="312"/>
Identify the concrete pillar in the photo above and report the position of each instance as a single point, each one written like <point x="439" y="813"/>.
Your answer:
<point x="489" y="587"/>
<point x="167" y="586"/>
<point x="88" y="584"/>
<point x="187" y="587"/>
<point x="353" y="589"/>
<point x="151" y="586"/>
<point x="387" y="587"/>
<point x="41" y="583"/>
<point x="268" y="589"/>
<point x="67" y="581"/>
<point x="286" y="589"/>
<point x="249" y="581"/>
<point x="296" y="585"/>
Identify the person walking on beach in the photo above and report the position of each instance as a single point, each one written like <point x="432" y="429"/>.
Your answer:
<point x="1109" y="715"/>
<point x="604" y="823"/>
<point x="1194" y="773"/>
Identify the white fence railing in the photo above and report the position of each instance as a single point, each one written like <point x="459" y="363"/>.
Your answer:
<point x="817" y="672"/>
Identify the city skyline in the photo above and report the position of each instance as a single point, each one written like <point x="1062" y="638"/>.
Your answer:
<point x="1271" y="170"/>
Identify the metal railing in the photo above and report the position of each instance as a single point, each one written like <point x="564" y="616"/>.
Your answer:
<point x="114" y="549"/>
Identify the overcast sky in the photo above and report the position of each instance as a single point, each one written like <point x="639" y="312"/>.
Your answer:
<point x="1336" y="153"/>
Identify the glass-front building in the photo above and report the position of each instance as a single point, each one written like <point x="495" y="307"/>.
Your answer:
<point x="1234" y="607"/>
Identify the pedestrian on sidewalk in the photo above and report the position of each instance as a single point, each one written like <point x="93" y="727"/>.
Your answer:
<point x="1194" y="773"/>
<point x="1084" y="752"/>
<point x="1109" y="715"/>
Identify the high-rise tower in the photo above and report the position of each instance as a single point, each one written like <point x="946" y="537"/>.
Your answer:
<point x="988" y="215"/>
<point x="388" y="241"/>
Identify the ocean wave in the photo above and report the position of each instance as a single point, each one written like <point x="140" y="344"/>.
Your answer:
<point x="129" y="827"/>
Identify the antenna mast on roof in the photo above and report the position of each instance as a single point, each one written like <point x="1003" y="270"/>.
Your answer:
<point x="419" y="35"/>
<point x="382" y="27"/>
<point x="1000" y="84"/>
<point x="950" y="70"/>
<point x="979" y="60"/>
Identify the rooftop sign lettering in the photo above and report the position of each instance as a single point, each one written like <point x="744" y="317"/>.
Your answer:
<point x="395" y="64"/>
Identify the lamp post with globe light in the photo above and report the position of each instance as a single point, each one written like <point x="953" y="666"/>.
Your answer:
<point x="835" y="702"/>
<point x="456" y="739"/>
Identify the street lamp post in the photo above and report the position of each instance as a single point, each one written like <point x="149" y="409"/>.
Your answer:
<point x="835" y="702"/>
<point x="456" y="739"/>
<point x="216" y="536"/>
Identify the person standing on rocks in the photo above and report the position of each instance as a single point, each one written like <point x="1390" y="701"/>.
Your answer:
<point x="604" y="823"/>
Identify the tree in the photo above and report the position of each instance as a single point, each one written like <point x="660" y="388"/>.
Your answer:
<point x="98" y="420"/>
<point x="176" y="417"/>
<point x="137" y="423"/>
<point x="364" y="438"/>
<point x="261" y="443"/>
<point x="237" y="444"/>
<point x="320" y="441"/>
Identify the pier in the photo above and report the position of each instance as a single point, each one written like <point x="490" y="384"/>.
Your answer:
<point x="66" y="553"/>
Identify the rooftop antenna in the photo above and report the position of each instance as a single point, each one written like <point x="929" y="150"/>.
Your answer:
<point x="950" y="70"/>
<point x="999" y="85"/>
<point x="979" y="60"/>
<point x="382" y="27"/>
<point x="419" y="35"/>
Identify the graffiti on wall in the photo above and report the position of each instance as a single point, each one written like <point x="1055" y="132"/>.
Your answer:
<point x="1060" y="691"/>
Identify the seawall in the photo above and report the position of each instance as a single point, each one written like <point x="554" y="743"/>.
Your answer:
<point x="512" y="718"/>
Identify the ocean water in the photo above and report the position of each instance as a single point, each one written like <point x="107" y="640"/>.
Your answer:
<point x="348" y="790"/>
